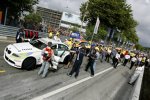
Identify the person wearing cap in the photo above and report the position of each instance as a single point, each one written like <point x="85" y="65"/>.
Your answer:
<point x="47" y="54"/>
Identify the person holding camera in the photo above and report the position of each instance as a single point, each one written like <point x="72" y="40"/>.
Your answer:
<point x="92" y="57"/>
<point x="47" y="54"/>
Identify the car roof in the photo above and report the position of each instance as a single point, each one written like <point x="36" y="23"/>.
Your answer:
<point x="46" y="40"/>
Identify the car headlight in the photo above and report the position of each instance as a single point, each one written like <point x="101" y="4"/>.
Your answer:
<point x="16" y="55"/>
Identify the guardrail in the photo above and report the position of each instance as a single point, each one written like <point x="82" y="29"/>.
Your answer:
<point x="11" y="31"/>
<point x="137" y="87"/>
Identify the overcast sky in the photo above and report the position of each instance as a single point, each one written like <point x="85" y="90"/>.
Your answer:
<point x="140" y="11"/>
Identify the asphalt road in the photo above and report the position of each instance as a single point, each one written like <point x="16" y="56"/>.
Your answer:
<point x="107" y="84"/>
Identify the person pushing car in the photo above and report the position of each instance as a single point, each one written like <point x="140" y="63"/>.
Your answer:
<point x="47" y="54"/>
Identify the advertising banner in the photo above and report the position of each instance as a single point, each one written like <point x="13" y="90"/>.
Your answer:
<point x="96" y="26"/>
<point x="75" y="35"/>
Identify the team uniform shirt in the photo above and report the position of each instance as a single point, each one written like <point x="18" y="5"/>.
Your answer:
<point x="69" y="43"/>
<point x="143" y="59"/>
<point x="109" y="51"/>
<point x="139" y="59"/>
<point x="127" y="56"/>
<point x="97" y="56"/>
<point x="50" y="35"/>
<point x="117" y="56"/>
<point x="57" y="38"/>
<point x="133" y="59"/>
<point x="47" y="53"/>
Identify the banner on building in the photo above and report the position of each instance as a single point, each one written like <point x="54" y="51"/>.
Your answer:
<point x="96" y="26"/>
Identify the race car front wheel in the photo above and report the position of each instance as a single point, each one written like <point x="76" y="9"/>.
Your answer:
<point x="29" y="63"/>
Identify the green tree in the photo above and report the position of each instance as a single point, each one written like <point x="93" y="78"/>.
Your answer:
<point x="101" y="34"/>
<point x="139" y="47"/>
<point x="32" y="20"/>
<point x="17" y="7"/>
<point x="74" y="29"/>
<point x="114" y="14"/>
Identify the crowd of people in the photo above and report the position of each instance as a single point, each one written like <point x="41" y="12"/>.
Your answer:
<point x="99" y="52"/>
<point x="95" y="52"/>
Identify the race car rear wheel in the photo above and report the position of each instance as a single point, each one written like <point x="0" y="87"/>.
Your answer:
<point x="29" y="63"/>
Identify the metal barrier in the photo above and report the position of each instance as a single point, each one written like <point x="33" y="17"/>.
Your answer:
<point x="11" y="32"/>
<point x="137" y="87"/>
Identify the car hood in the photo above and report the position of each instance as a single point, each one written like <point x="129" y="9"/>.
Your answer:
<point x="23" y="47"/>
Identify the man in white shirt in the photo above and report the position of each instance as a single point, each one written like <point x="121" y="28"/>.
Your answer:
<point x="116" y="60"/>
<point x="133" y="60"/>
<point x="127" y="57"/>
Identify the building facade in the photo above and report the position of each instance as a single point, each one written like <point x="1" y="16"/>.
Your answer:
<point x="70" y="20"/>
<point x="58" y="19"/>
<point x="50" y="17"/>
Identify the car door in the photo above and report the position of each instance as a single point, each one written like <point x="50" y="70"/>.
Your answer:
<point x="62" y="48"/>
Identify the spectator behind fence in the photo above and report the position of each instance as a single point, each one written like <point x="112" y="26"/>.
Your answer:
<point x="20" y="35"/>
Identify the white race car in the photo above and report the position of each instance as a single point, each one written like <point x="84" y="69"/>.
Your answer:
<point x="28" y="54"/>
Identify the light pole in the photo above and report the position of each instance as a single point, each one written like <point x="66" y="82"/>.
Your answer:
<point x="5" y="15"/>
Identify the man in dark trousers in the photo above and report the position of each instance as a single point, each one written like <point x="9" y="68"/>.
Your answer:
<point x="133" y="60"/>
<point x="116" y="60"/>
<point x="79" y="58"/>
<point x="92" y="57"/>
<point x="126" y="59"/>
<point x="20" y="35"/>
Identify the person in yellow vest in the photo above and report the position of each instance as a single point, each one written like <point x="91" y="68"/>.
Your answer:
<point x="68" y="43"/>
<point x="57" y="33"/>
<point x="143" y="60"/>
<point x="57" y="37"/>
<point x="50" y="35"/>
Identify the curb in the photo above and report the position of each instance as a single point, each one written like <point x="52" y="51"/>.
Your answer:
<point x="3" y="37"/>
<point x="7" y="39"/>
<point x="137" y="87"/>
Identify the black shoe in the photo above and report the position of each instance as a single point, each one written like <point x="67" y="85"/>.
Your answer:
<point x="76" y="77"/>
<point x="92" y="75"/>
<point x="130" y="83"/>
<point x="69" y="74"/>
<point x="85" y="70"/>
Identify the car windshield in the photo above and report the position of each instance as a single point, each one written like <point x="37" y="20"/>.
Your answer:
<point x="38" y="44"/>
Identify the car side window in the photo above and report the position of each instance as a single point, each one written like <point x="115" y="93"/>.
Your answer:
<point x="54" y="47"/>
<point x="62" y="47"/>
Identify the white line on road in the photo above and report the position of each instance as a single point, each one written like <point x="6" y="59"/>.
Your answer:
<point x="8" y="41"/>
<point x="68" y="86"/>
